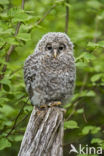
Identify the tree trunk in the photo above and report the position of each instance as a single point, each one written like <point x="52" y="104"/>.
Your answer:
<point x="44" y="133"/>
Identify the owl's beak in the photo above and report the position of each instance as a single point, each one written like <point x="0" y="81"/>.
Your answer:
<point x="55" y="53"/>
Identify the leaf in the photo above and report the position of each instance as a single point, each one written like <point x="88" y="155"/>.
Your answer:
<point x="86" y="129"/>
<point x="81" y="64"/>
<point x="28" y="108"/>
<point x="94" y="45"/>
<point x="96" y="140"/>
<point x="67" y="105"/>
<point x="101" y="44"/>
<point x="92" y="129"/>
<point x="18" y="15"/>
<point x="70" y="124"/>
<point x="24" y="36"/>
<point x="90" y="93"/>
<point x="8" y="123"/>
<point x="18" y="138"/>
<point x="7" y="110"/>
<point x="68" y="5"/>
<point x="95" y="130"/>
<point x="87" y="56"/>
<point x="86" y="93"/>
<point x="5" y="81"/>
<point x="26" y="27"/>
<point x="20" y="18"/>
<point x="96" y="77"/>
<point x="12" y="41"/>
<point x="3" y="2"/>
<point x="6" y="32"/>
<point x="87" y="155"/>
<point x="4" y="143"/>
<point x="2" y="42"/>
<point x="59" y="1"/>
<point x="94" y="4"/>
<point x="80" y="111"/>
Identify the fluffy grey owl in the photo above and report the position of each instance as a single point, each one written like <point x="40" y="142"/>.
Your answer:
<point x="49" y="73"/>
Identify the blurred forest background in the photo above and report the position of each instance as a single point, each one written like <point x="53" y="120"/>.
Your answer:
<point x="20" y="30"/>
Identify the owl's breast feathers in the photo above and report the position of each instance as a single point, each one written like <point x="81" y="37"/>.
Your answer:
<point x="60" y="72"/>
<point x="63" y="63"/>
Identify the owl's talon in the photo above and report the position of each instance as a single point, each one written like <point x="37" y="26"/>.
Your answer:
<point x="43" y="106"/>
<point x="55" y="103"/>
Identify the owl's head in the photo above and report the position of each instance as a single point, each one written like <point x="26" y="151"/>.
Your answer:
<point x="55" y="44"/>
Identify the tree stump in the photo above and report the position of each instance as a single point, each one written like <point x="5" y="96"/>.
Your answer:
<point x="44" y="133"/>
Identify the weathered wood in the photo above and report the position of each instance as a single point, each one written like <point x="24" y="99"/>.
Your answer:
<point x="44" y="133"/>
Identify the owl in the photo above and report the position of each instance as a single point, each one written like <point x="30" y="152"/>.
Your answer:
<point x="50" y="73"/>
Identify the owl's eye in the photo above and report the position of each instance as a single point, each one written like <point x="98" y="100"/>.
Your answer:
<point x="49" y="47"/>
<point x="61" y="47"/>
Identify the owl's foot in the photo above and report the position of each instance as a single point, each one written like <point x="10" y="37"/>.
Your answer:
<point x="55" y="103"/>
<point x="42" y="107"/>
<point x="51" y="104"/>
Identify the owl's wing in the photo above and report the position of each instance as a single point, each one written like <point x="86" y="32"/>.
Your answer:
<point x="30" y="70"/>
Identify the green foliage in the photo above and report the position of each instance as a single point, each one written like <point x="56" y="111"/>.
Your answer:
<point x="70" y="124"/>
<point x="96" y="140"/>
<point x="4" y="143"/>
<point x="87" y="155"/>
<point x="84" y="118"/>
<point x="93" y="130"/>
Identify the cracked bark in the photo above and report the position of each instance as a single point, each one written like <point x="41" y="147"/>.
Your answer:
<point x="44" y="133"/>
